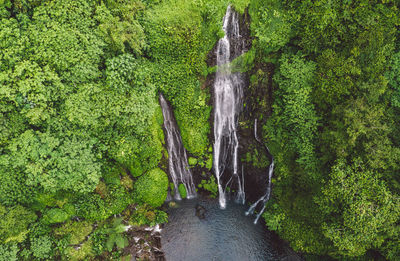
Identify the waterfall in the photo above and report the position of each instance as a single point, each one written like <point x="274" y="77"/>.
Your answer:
<point x="228" y="103"/>
<point x="177" y="159"/>
<point x="264" y="199"/>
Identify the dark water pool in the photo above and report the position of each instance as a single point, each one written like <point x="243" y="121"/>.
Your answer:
<point x="222" y="235"/>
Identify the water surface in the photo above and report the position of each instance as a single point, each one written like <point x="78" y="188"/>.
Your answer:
<point x="223" y="235"/>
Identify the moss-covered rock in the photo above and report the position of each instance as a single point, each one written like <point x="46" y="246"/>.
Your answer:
<point x="192" y="161"/>
<point x="182" y="190"/>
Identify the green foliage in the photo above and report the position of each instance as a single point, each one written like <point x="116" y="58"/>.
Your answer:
<point x="119" y="26"/>
<point x="14" y="222"/>
<point x="84" y="252"/>
<point x="79" y="117"/>
<point x="192" y="161"/>
<point x="147" y="215"/>
<point x="294" y="122"/>
<point x="61" y="32"/>
<point x="209" y="162"/>
<point x="271" y="24"/>
<point x="179" y="41"/>
<point x="258" y="160"/>
<point x="55" y="215"/>
<point x="132" y="105"/>
<point x="274" y="222"/>
<point x="335" y="191"/>
<point x="54" y="163"/>
<point x="13" y="187"/>
<point x="365" y="210"/>
<point x="8" y="252"/>
<point x="151" y="187"/>
<point x="115" y="236"/>
<point x="210" y="186"/>
<point x="41" y="247"/>
<point x="75" y="232"/>
<point x="393" y="76"/>
<point x="91" y="207"/>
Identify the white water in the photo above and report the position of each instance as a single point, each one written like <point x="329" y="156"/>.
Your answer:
<point x="177" y="159"/>
<point x="264" y="199"/>
<point x="228" y="103"/>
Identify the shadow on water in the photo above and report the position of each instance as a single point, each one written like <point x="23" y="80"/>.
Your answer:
<point x="218" y="235"/>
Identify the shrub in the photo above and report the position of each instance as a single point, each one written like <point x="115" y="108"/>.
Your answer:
<point x="76" y="231"/>
<point x="151" y="188"/>
<point x="41" y="246"/>
<point x="210" y="186"/>
<point x="146" y="215"/>
<point x="91" y="207"/>
<point x="14" y="223"/>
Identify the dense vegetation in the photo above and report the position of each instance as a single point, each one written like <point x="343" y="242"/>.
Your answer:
<point x="81" y="136"/>
<point x="334" y="128"/>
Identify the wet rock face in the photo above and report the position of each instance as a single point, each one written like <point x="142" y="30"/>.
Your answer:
<point x="258" y="100"/>
<point x="257" y="97"/>
<point x="244" y="28"/>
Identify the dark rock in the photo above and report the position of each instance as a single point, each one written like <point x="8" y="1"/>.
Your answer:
<point x="200" y="211"/>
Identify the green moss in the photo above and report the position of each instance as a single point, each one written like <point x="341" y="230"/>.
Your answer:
<point x="83" y="253"/>
<point x="151" y="187"/>
<point x="192" y="161"/>
<point x="127" y="182"/>
<point x="55" y="215"/>
<point x="209" y="162"/>
<point x="76" y="231"/>
<point x="182" y="190"/>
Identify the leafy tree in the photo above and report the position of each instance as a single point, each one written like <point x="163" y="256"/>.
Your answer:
<point x="55" y="163"/>
<point x="361" y="213"/>
<point x="271" y="24"/>
<point x="294" y="122"/>
<point x="8" y="252"/>
<point x="62" y="32"/>
<point x="119" y="26"/>
<point x="394" y="79"/>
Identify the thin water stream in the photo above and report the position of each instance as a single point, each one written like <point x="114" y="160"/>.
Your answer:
<point x="178" y="166"/>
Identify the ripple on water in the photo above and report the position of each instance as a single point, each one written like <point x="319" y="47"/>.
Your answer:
<point x="223" y="235"/>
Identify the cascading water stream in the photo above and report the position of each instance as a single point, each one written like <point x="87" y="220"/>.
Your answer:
<point x="228" y="103"/>
<point x="177" y="159"/>
<point x="264" y="199"/>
